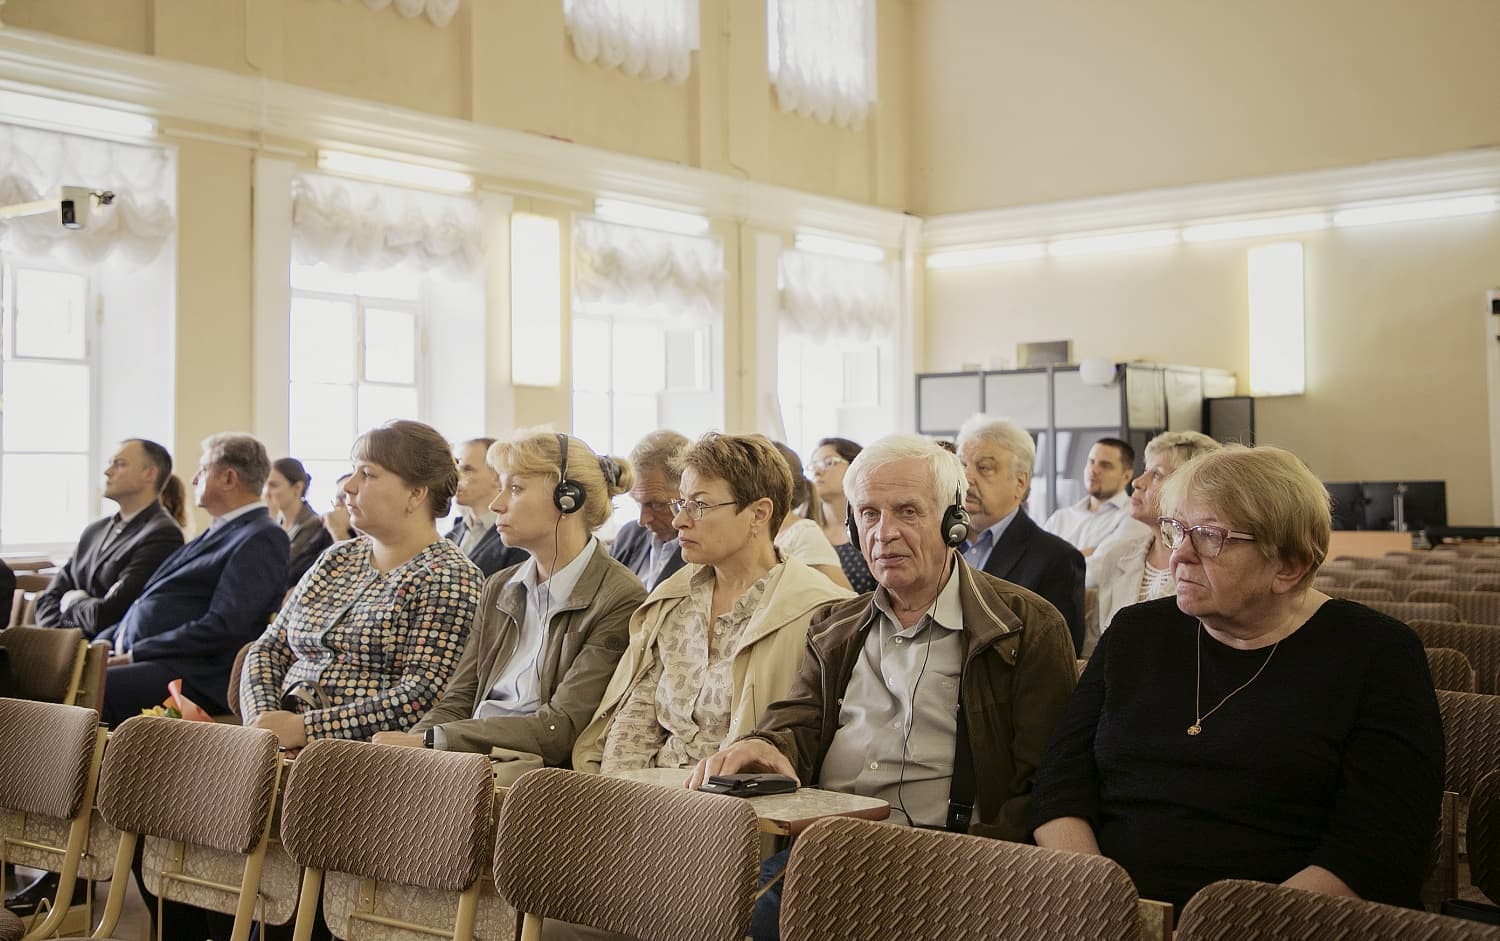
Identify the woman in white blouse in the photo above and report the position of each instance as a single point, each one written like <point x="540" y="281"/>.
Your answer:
<point x="800" y="538"/>
<point x="1133" y="564"/>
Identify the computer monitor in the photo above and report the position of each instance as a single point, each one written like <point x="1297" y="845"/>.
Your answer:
<point x="1348" y="504"/>
<point x="1424" y="503"/>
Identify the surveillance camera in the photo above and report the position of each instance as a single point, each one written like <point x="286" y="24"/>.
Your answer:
<point x="73" y="206"/>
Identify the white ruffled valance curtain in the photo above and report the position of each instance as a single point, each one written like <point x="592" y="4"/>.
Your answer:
<point x="355" y="226"/>
<point x="649" y="39"/>
<point x="822" y="58"/>
<point x="623" y="265"/>
<point x="439" y="12"/>
<point x="824" y="297"/>
<point x="35" y="164"/>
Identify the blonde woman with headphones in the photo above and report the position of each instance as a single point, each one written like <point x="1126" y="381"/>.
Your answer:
<point x="550" y="630"/>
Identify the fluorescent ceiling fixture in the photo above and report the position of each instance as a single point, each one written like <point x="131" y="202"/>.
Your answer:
<point x="1120" y="242"/>
<point x="395" y="171"/>
<point x="1256" y="228"/>
<point x="52" y="112"/>
<point x="843" y="248"/>
<point x="994" y="255"/>
<point x="1277" y="360"/>
<point x="1440" y="208"/>
<point x="535" y="300"/>
<point x="651" y="217"/>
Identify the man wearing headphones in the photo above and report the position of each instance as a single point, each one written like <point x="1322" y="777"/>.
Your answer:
<point x="937" y="692"/>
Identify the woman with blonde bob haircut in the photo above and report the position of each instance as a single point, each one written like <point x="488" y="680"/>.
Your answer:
<point x="549" y="630"/>
<point x="1251" y="727"/>
<point x="723" y="637"/>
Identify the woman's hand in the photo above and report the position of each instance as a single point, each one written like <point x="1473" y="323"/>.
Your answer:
<point x="287" y="726"/>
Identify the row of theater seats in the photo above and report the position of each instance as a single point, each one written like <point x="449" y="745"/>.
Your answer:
<point x="393" y="838"/>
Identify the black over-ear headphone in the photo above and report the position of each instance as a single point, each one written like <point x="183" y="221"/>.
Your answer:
<point x="567" y="496"/>
<point x="955" y="523"/>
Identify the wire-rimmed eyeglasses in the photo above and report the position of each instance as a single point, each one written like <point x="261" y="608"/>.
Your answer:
<point x="1208" y="541"/>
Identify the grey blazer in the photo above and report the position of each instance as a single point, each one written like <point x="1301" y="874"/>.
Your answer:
<point x="113" y="575"/>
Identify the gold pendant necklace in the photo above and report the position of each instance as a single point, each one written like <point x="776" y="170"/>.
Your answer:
<point x="1197" y="725"/>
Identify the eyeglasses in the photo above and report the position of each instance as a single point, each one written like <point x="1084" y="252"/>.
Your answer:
<point x="695" y="508"/>
<point x="1208" y="541"/>
<point x="827" y="463"/>
<point x="656" y="506"/>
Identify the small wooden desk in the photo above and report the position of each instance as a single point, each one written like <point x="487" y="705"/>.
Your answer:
<point x="780" y="814"/>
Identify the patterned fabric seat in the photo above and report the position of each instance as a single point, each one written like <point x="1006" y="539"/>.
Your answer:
<point x="1479" y="643"/>
<point x="1402" y="587"/>
<point x="849" y="880"/>
<point x="47" y="662"/>
<point x="652" y="863"/>
<point x="1362" y="595"/>
<point x="1236" y="910"/>
<point x="1484" y="836"/>
<point x="1476" y="607"/>
<point x="11" y="927"/>
<point x="1407" y="611"/>
<point x="1450" y="670"/>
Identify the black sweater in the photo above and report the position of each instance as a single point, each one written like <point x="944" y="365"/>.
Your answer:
<point x="1332" y="757"/>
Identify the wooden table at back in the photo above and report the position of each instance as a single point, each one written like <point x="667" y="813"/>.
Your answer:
<point x="780" y="814"/>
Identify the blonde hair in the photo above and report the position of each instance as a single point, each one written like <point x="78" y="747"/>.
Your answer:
<point x="1182" y="445"/>
<point x="532" y="453"/>
<point x="1266" y="491"/>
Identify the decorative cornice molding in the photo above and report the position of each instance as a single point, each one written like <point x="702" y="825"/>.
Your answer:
<point x="1464" y="171"/>
<point x="180" y="92"/>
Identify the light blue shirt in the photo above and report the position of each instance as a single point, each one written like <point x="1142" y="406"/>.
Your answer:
<point x="977" y="550"/>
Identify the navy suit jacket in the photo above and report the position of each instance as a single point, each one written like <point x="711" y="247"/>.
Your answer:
<point x="113" y="575"/>
<point x="491" y="553"/>
<point x="1033" y="558"/>
<point x="632" y="549"/>
<point x="209" y="599"/>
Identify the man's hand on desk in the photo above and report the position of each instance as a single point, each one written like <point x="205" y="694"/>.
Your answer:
<point x="752" y="754"/>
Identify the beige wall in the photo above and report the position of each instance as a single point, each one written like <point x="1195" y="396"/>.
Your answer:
<point x="1025" y="102"/>
<point x="1396" y="339"/>
<point x="510" y="63"/>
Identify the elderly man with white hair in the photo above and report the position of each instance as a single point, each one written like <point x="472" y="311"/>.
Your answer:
<point x="997" y="455"/>
<point x="937" y="692"/>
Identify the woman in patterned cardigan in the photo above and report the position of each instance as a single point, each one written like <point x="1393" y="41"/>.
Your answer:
<point x="374" y="630"/>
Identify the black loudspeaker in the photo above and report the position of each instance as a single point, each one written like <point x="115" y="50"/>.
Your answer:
<point x="567" y="496"/>
<point x="955" y="524"/>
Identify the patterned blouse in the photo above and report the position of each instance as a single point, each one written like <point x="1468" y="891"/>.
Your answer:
<point x="381" y="646"/>
<point x="678" y="713"/>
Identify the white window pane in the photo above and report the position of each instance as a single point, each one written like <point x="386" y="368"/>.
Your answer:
<point x="44" y="497"/>
<point x="687" y="365"/>
<point x="635" y="416"/>
<point x="379" y="404"/>
<point x="789" y="371"/>
<point x="861" y="377"/>
<point x="591" y="420"/>
<point x="46" y="407"/>
<point x="822" y="376"/>
<point x="390" y="346"/>
<point x="639" y="358"/>
<point x="322" y="340"/>
<point x="398" y="284"/>
<point x="321" y="421"/>
<point x="591" y="359"/>
<point x="325" y="475"/>
<point x="50" y="313"/>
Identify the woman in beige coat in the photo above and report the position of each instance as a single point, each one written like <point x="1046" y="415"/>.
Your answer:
<point x="722" y="638"/>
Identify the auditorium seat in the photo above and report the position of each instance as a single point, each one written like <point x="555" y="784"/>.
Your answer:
<point x="389" y="818"/>
<point x="1362" y="595"/>
<point x="47" y="662"/>
<point x="1239" y="910"/>
<point x="1476" y="607"/>
<point x="1471" y="728"/>
<point x="234" y="681"/>
<point x="1400" y="588"/>
<point x="23" y="602"/>
<point x="1450" y="670"/>
<point x="1479" y="643"/>
<point x="1484" y="836"/>
<point x="650" y="862"/>
<point x="850" y="880"/>
<point x="1408" y="611"/>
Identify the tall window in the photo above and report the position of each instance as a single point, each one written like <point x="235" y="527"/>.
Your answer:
<point x="828" y="388"/>
<point x="355" y="362"/>
<point x="46" y="473"/>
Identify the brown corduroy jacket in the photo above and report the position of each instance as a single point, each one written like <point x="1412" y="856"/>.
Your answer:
<point x="1019" y="671"/>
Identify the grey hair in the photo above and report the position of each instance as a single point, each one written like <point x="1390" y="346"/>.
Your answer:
<point x="1005" y="433"/>
<point x="658" y="451"/>
<point x="949" y="484"/>
<point x="241" y="452"/>
<point x="1182" y="445"/>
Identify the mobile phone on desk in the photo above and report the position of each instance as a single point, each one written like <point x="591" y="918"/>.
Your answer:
<point x="749" y="785"/>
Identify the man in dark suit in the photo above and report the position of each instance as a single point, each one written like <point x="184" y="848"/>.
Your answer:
<point x="649" y="547"/>
<point x="116" y="555"/>
<point x="209" y="598"/>
<point x="997" y="456"/>
<point x="475" y="533"/>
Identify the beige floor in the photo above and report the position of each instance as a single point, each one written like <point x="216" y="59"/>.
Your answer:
<point x="135" y="922"/>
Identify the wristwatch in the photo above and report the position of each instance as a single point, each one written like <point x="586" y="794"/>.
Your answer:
<point x="428" y="737"/>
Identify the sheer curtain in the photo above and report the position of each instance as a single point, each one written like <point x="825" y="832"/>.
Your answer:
<point x="440" y="12"/>
<point x="822" y="58"/>
<point x="824" y="297"/>
<point x="649" y="39"/>
<point x="626" y="266"/>
<point x="355" y="226"/>
<point x="35" y="163"/>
